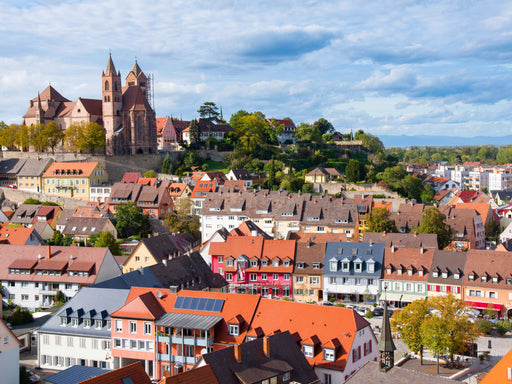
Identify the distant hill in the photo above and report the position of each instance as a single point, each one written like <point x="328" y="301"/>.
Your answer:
<point x="442" y="141"/>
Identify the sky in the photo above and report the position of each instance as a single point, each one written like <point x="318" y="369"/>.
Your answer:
<point x="387" y="67"/>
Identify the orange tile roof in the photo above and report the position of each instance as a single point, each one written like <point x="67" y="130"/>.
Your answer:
<point x="311" y="322"/>
<point x="482" y="208"/>
<point x="383" y="204"/>
<point x="176" y="189"/>
<point x="499" y="373"/>
<point x="86" y="167"/>
<point x="15" y="235"/>
<point x="145" y="306"/>
<point x="203" y="187"/>
<point x="201" y="375"/>
<point x="160" y="124"/>
<point x="250" y="246"/>
<point x="147" y="181"/>
<point x="317" y="237"/>
<point x="134" y="371"/>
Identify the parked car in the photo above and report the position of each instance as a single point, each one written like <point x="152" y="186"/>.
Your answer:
<point x="12" y="186"/>
<point x="360" y="310"/>
<point x="33" y="377"/>
<point x="378" y="311"/>
<point x="328" y="303"/>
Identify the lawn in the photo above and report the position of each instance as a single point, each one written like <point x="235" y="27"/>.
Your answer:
<point x="216" y="166"/>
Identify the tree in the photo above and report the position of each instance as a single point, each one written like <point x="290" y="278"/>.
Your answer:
<point x="194" y="134"/>
<point x="252" y="133"/>
<point x="93" y="137"/>
<point x="413" y="187"/>
<point x="54" y="134"/>
<point x="74" y="137"/>
<point x="183" y="221"/>
<point x="38" y="137"/>
<point x="323" y="126"/>
<point x="354" y="171"/>
<point x="22" y="139"/>
<point x="428" y="193"/>
<point x="504" y="155"/>
<point x="150" y="174"/>
<point x="308" y="133"/>
<point x="379" y="221"/>
<point x="209" y="111"/>
<point x="8" y="134"/>
<point x="407" y="323"/>
<point x="131" y="221"/>
<point x="107" y="240"/>
<point x="432" y="221"/>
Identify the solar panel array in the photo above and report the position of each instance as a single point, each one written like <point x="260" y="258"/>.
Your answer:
<point x="198" y="304"/>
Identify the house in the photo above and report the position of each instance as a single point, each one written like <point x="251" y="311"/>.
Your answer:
<point x="502" y="197"/>
<point x="487" y="281"/>
<point x="25" y="214"/>
<point x="352" y="270"/>
<point x="441" y="183"/>
<point x="30" y="175"/>
<point x="468" y="231"/>
<point x="130" y="177"/>
<point x="165" y="133"/>
<point x="364" y="205"/>
<point x="100" y="193"/>
<point x="9" y="354"/>
<point x="201" y="189"/>
<point x="286" y="127"/>
<point x="19" y="235"/>
<point x="207" y="129"/>
<point x="403" y="240"/>
<point x="490" y="220"/>
<point x="178" y="191"/>
<point x="124" y="193"/>
<point x="79" y="332"/>
<point x="73" y="179"/>
<point x="274" y="358"/>
<point x="335" y="341"/>
<point x="308" y="271"/>
<point x="9" y="169"/>
<point x="81" y="228"/>
<point x="49" y="215"/>
<point x="501" y="372"/>
<point x="446" y="273"/>
<point x="155" y="249"/>
<point x="155" y="201"/>
<point x="405" y="275"/>
<point x="255" y="265"/>
<point x="32" y="275"/>
<point x="240" y="175"/>
<point x="322" y="175"/>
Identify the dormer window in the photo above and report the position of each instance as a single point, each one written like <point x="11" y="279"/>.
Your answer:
<point x="275" y="263"/>
<point x="420" y="272"/>
<point x="340" y="221"/>
<point x="264" y="263"/>
<point x="399" y="271"/>
<point x="316" y="265"/>
<point x="456" y="276"/>
<point x="483" y="279"/>
<point x="435" y="274"/>
<point x="74" y="321"/>
<point x="333" y="265"/>
<point x="307" y="350"/>
<point x="229" y="262"/>
<point x="328" y="354"/>
<point x="388" y="271"/>
<point x="471" y="277"/>
<point x="460" y="234"/>
<point x="370" y="266"/>
<point x="508" y="281"/>
<point x="286" y="263"/>
<point x="495" y="280"/>
<point x="254" y="263"/>
<point x="63" y="321"/>
<point x="234" y="329"/>
<point x="358" y="266"/>
<point x="300" y="265"/>
<point x="98" y="324"/>
<point x="444" y="275"/>
<point x="409" y="271"/>
<point x="87" y="323"/>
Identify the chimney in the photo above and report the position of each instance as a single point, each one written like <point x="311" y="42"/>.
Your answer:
<point x="49" y="254"/>
<point x="392" y="249"/>
<point x="164" y="261"/>
<point x="238" y="352"/>
<point x="266" y="346"/>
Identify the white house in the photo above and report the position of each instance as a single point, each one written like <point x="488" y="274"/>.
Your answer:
<point x="9" y="354"/>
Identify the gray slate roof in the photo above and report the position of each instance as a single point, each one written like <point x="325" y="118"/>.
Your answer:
<point x="342" y="251"/>
<point x="75" y="374"/>
<point x="85" y="301"/>
<point x="35" y="167"/>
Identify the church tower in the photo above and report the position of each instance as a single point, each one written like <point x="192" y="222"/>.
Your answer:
<point x="137" y="77"/>
<point x="386" y="346"/>
<point x="112" y="103"/>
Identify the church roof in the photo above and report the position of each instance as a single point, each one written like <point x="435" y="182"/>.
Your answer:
<point x="93" y="106"/>
<point x="50" y="94"/>
<point x="136" y="69"/>
<point x="134" y="99"/>
<point x="111" y="69"/>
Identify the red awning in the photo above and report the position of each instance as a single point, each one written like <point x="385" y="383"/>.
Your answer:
<point x="479" y="305"/>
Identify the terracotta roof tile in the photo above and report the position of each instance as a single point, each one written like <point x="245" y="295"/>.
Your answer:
<point x="134" y="371"/>
<point x="66" y="169"/>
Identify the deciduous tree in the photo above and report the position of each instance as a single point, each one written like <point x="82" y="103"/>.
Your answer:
<point x="131" y="221"/>
<point x="54" y="134"/>
<point x="107" y="240"/>
<point x="432" y="221"/>
<point x="379" y="221"/>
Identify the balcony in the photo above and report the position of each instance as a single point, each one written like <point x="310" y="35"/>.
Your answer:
<point x="176" y="359"/>
<point x="186" y="340"/>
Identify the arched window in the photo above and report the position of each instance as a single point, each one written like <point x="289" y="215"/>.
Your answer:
<point x="105" y="99"/>
<point x="108" y="97"/>
<point x="107" y="86"/>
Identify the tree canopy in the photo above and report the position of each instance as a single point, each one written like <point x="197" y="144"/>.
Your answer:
<point x="182" y="221"/>
<point x="379" y="221"/>
<point x="209" y="111"/>
<point x="131" y="221"/>
<point x="433" y="221"/>
<point x="106" y="240"/>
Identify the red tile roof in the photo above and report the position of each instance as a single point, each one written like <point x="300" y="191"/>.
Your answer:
<point x="50" y="93"/>
<point x="134" y="371"/>
<point x="201" y="375"/>
<point x="15" y="235"/>
<point x="145" y="306"/>
<point x="130" y="177"/>
<point x="66" y="169"/>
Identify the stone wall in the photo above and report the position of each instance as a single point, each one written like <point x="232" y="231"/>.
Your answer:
<point x="18" y="196"/>
<point x="349" y="190"/>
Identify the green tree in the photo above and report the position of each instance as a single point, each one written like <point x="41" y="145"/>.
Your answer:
<point x="407" y="323"/>
<point x="149" y="174"/>
<point x="194" y="134"/>
<point x="235" y="119"/>
<point x="54" y="134"/>
<point x="413" y="187"/>
<point x="182" y="221"/>
<point x="74" y="137"/>
<point x="209" y="111"/>
<point x="38" y="137"/>
<point x="428" y="193"/>
<point x="379" y="221"/>
<point x="308" y="133"/>
<point x="354" y="171"/>
<point x="93" y="137"/>
<point x="107" y="240"/>
<point x="433" y="221"/>
<point x="8" y="135"/>
<point x="323" y="126"/>
<point x="504" y="156"/>
<point x="272" y="168"/>
<point x="131" y="221"/>
<point x="22" y="139"/>
<point x="252" y="132"/>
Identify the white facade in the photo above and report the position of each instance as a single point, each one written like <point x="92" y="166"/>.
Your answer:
<point x="351" y="285"/>
<point x="99" y="194"/>
<point x="59" y="352"/>
<point x="33" y="294"/>
<point x="9" y="356"/>
<point x="500" y="181"/>
<point x="479" y="232"/>
<point x="477" y="180"/>
<point x="364" y="348"/>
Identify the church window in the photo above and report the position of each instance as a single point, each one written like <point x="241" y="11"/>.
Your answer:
<point x="107" y="86"/>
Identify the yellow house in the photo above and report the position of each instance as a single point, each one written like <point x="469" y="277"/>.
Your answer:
<point x="73" y="179"/>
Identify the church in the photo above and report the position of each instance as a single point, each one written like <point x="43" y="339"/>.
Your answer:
<point x="124" y="112"/>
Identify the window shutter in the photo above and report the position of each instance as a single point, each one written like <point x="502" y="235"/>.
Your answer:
<point x="458" y="289"/>
<point x="354" y="356"/>
<point x="428" y="287"/>
<point x="438" y="288"/>
<point x="448" y="288"/>
<point x="359" y="352"/>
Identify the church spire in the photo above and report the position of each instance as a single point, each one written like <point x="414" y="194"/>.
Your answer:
<point x="111" y="69"/>
<point x="136" y="69"/>
<point x="386" y="346"/>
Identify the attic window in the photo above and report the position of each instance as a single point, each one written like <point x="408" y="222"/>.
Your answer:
<point x="420" y="272"/>
<point x="508" y="281"/>
<point x="307" y="350"/>
<point x="316" y="265"/>
<point x="483" y="279"/>
<point x="328" y="354"/>
<point x="340" y="221"/>
<point x="471" y="277"/>
<point x="358" y="266"/>
<point x="444" y="275"/>
<point x="334" y="265"/>
<point x="388" y="271"/>
<point x="254" y="263"/>
<point x="313" y="218"/>
<point x="456" y="276"/>
<point x="409" y="271"/>
<point x="460" y="234"/>
<point x="234" y="330"/>
<point x="275" y="263"/>
<point x="435" y="274"/>
<point x="300" y="265"/>
<point x="286" y="263"/>
<point x="229" y="263"/>
<point x="495" y="280"/>
<point x="354" y="251"/>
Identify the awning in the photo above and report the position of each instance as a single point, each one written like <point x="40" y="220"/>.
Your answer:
<point x="480" y="305"/>
<point x="390" y="296"/>
<point x="186" y="320"/>
<point x="411" y="298"/>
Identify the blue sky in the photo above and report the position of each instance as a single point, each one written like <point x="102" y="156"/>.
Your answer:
<point x="387" y="67"/>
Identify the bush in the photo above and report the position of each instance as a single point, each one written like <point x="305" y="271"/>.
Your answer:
<point x="368" y="314"/>
<point x="484" y="325"/>
<point x="20" y="317"/>
<point x="503" y="326"/>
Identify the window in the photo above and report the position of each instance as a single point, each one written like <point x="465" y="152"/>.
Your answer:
<point x="300" y="265"/>
<point x="137" y="258"/>
<point x="370" y="267"/>
<point x="63" y="321"/>
<point x="327" y="378"/>
<point x="74" y="321"/>
<point x="233" y="330"/>
<point x="263" y="276"/>
<point x="229" y="262"/>
<point x="358" y="267"/>
<point x="275" y="276"/>
<point x="332" y="280"/>
<point x="286" y="376"/>
<point x="483" y="279"/>
<point x="307" y="350"/>
<point x="286" y="263"/>
<point x="119" y="326"/>
<point x="471" y="277"/>
<point x="508" y="281"/>
<point x="316" y="265"/>
<point x="229" y="276"/>
<point x="345" y="266"/>
<point x="456" y="276"/>
<point x="314" y="280"/>
<point x="87" y="323"/>
<point x="147" y="328"/>
<point x="420" y="272"/>
<point x="333" y="265"/>
<point x="435" y="274"/>
<point x="495" y="280"/>
<point x="189" y="350"/>
<point x="275" y="263"/>
<point x="220" y="259"/>
<point x="493" y="295"/>
<point x="388" y="271"/>
<point x="253" y="277"/>
<point x="286" y="277"/>
<point x="329" y="354"/>
<point x="254" y="263"/>
<point x="98" y="324"/>
<point x="299" y="279"/>
<point x="264" y="263"/>
<point x="146" y="259"/>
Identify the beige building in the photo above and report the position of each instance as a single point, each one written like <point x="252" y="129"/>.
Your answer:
<point x="307" y="275"/>
<point x="73" y="179"/>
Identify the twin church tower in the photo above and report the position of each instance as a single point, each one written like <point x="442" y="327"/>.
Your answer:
<point x="124" y="112"/>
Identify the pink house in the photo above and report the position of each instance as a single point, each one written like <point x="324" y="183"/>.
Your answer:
<point x="255" y="265"/>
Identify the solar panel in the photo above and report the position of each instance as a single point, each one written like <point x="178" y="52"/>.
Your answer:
<point x="209" y="305"/>
<point x="202" y="305"/>
<point x="186" y="303"/>
<point x="194" y="303"/>
<point x="178" y="303"/>
<point x="217" y="307"/>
